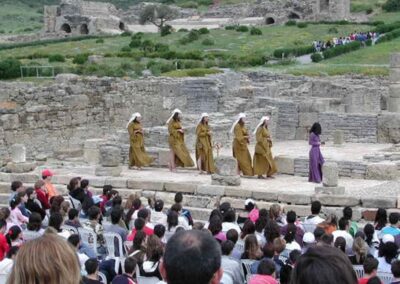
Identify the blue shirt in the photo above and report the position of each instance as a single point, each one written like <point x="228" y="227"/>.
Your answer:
<point x="389" y="230"/>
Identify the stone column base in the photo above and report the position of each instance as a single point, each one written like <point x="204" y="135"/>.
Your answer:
<point x="217" y="179"/>
<point x="332" y="190"/>
<point x="108" y="171"/>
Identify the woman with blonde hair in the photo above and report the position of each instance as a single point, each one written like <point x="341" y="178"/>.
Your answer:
<point x="360" y="250"/>
<point x="204" y="151"/>
<point x="137" y="153"/>
<point x="45" y="260"/>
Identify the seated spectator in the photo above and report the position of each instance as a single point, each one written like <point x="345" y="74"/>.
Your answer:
<point x="308" y="241"/>
<point x="396" y="272"/>
<point x="248" y="229"/>
<point x="330" y="224"/>
<point x="92" y="270"/>
<point x="291" y="218"/>
<point x="16" y="216"/>
<point x="260" y="225"/>
<point x="14" y="236"/>
<point x="159" y="231"/>
<point x="271" y="231"/>
<point x="73" y="218"/>
<point x="127" y="276"/>
<point x="393" y="228"/>
<point x="276" y="214"/>
<point x="360" y="250"/>
<point x="33" y="204"/>
<point x="61" y="267"/>
<point x="131" y="216"/>
<point x="4" y="246"/>
<point x="371" y="238"/>
<point x="286" y="270"/>
<point x="182" y="220"/>
<point x="56" y="221"/>
<point x="42" y="195"/>
<point x="229" y="219"/>
<point x="230" y="265"/>
<point x="265" y="273"/>
<point x="279" y="259"/>
<point x="35" y="223"/>
<point x="370" y="269"/>
<point x="75" y="190"/>
<point x="348" y="215"/>
<point x="157" y="215"/>
<point x="5" y="212"/>
<point x="105" y="197"/>
<point x="183" y="212"/>
<point x="326" y="240"/>
<point x="192" y="255"/>
<point x="75" y="241"/>
<point x="138" y="250"/>
<point x="323" y="264"/>
<point x="55" y="204"/>
<point x="387" y="254"/>
<point x="318" y="233"/>
<point x="340" y="243"/>
<point x="140" y="225"/>
<point x="172" y="224"/>
<point x="116" y="216"/>
<point x="374" y="280"/>
<point x="215" y="227"/>
<point x="233" y="236"/>
<point x="93" y="224"/>
<point x="154" y="253"/>
<point x="313" y="220"/>
<point x="16" y="186"/>
<point x="48" y="186"/>
<point x="380" y="219"/>
<point x="249" y="205"/>
<point x="251" y="248"/>
<point x="7" y="263"/>
<point x="344" y="232"/>
<point x="268" y="253"/>
<point x="290" y="236"/>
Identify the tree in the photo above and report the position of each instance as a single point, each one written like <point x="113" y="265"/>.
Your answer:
<point x="157" y="15"/>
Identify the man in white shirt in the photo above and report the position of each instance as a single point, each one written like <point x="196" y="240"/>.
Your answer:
<point x="344" y="232"/>
<point x="157" y="216"/>
<point x="313" y="220"/>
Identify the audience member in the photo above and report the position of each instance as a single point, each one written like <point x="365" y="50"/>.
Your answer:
<point x="93" y="224"/>
<point x="16" y="186"/>
<point x="127" y="276"/>
<point x="48" y="186"/>
<point x="314" y="219"/>
<point x="230" y="265"/>
<point x="340" y="243"/>
<point x="265" y="273"/>
<point x="56" y="221"/>
<point x="291" y="218"/>
<point x="73" y="219"/>
<point x="360" y="250"/>
<point x="42" y="195"/>
<point x="387" y="254"/>
<point x="251" y="248"/>
<point x="348" y="215"/>
<point x="392" y="229"/>
<point x="14" y="236"/>
<point x="396" y="272"/>
<point x="154" y="253"/>
<point x="184" y="212"/>
<point x="343" y="232"/>
<point x="370" y="269"/>
<point x="116" y="217"/>
<point x="33" y="204"/>
<point x="4" y="246"/>
<point x="92" y="270"/>
<point x="16" y="216"/>
<point x="380" y="219"/>
<point x="35" y="223"/>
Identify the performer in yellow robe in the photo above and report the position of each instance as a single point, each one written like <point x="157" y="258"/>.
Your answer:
<point x="179" y="154"/>
<point x="240" y="142"/>
<point x="264" y="163"/>
<point x="204" y="152"/>
<point x="137" y="153"/>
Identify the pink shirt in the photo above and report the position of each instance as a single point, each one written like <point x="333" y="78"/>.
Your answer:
<point x="262" y="279"/>
<point x="17" y="218"/>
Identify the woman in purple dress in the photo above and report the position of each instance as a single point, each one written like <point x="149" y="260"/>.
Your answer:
<point x="316" y="159"/>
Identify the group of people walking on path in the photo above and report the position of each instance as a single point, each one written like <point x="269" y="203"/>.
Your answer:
<point x="262" y="165"/>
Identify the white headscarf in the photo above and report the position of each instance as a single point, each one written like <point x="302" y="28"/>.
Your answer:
<point x="240" y="116"/>
<point x="173" y="113"/>
<point x="203" y="115"/>
<point x="133" y="117"/>
<point x="262" y="120"/>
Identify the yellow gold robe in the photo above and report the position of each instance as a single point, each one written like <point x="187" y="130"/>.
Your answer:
<point x="176" y="142"/>
<point x="263" y="161"/>
<point x="204" y="148"/>
<point x="137" y="154"/>
<point x="240" y="150"/>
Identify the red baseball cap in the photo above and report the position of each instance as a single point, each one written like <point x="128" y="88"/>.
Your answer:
<point x="47" y="173"/>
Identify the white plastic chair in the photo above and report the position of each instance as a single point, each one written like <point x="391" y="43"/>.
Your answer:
<point x="103" y="278"/>
<point x="386" y="278"/>
<point x="70" y="229"/>
<point x="359" y="269"/>
<point x="89" y="237"/>
<point x="76" y="204"/>
<point x="246" y="265"/>
<point x="110" y="239"/>
<point x="30" y="235"/>
<point x="145" y="280"/>
<point x="128" y="246"/>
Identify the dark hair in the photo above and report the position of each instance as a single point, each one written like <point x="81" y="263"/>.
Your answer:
<point x="268" y="250"/>
<point x="374" y="280"/>
<point x="248" y="228"/>
<point x="139" y="224"/>
<point x="380" y="218"/>
<point x="290" y="233"/>
<point x="318" y="233"/>
<point x="116" y="214"/>
<point x="74" y="240"/>
<point x="143" y="213"/>
<point x="73" y="183"/>
<point x="370" y="264"/>
<point x="224" y="207"/>
<point x="395" y="268"/>
<point x="177" y="207"/>
<point x="3" y="223"/>
<point x="215" y="225"/>
<point x="87" y="204"/>
<point x="56" y="203"/>
<point x="55" y="221"/>
<point x="15" y="185"/>
<point x="159" y="205"/>
<point x="266" y="267"/>
<point x="12" y="251"/>
<point x="176" y="116"/>
<point x="6" y="212"/>
<point x="84" y="183"/>
<point x="227" y="247"/>
<point x="315" y="207"/>
<point x="15" y="201"/>
<point x="159" y="230"/>
<point x="138" y="240"/>
<point x="106" y="189"/>
<point x="136" y="204"/>
<point x="271" y="231"/>
<point x="178" y="197"/>
<point x="316" y="128"/>
<point x="215" y="212"/>
<point x="250" y="206"/>
<point x="232" y="235"/>
<point x="93" y="212"/>
<point x="343" y="223"/>
<point x="394" y="218"/>
<point x="172" y="219"/>
<point x="285" y="274"/>
<point x="291" y="217"/>
<point x="35" y="222"/>
<point x="369" y="233"/>
<point x="117" y="200"/>
<point x="340" y="243"/>
<point x="327" y="239"/>
<point x="130" y="265"/>
<point x="73" y="213"/>
<point x="29" y="191"/>
<point x="111" y="192"/>
<point x="229" y="215"/>
<point x="347" y="213"/>
<point x="260" y="224"/>
<point x="389" y="251"/>
<point x="91" y="265"/>
<point x="323" y="265"/>
<point x="191" y="257"/>
<point x="294" y="256"/>
<point x="13" y="234"/>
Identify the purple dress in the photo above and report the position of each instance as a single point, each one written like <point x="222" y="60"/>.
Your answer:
<point x="316" y="159"/>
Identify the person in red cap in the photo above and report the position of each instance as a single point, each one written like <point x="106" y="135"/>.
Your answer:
<point x="48" y="186"/>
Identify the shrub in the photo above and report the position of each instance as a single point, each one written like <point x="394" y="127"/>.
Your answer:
<point x="207" y="41"/>
<point x="135" y="42"/>
<point x="385" y="28"/>
<point x="10" y="68"/>
<point x="126" y="49"/>
<point x="100" y="40"/>
<point x="369" y="11"/>
<point x="194" y="35"/>
<point x="391" y="6"/>
<point x="182" y="30"/>
<point x="316" y="57"/>
<point x="189" y="5"/>
<point x="333" y="30"/>
<point x="80" y="59"/>
<point x="147" y="46"/>
<point x="255" y="31"/>
<point x="389" y="36"/>
<point x="198" y="72"/>
<point x="204" y="31"/>
<point x="126" y="33"/>
<point x="37" y="55"/>
<point x="377" y="23"/>
<point x="302" y="25"/>
<point x="138" y="35"/>
<point x="230" y="28"/>
<point x="368" y="42"/>
<point x="56" y="58"/>
<point x="160" y="47"/>
<point x="242" y="29"/>
<point x="195" y="54"/>
<point x="297" y="51"/>
<point x="290" y="23"/>
<point x="205" y="2"/>
<point x="341" y="49"/>
<point x="166" y="30"/>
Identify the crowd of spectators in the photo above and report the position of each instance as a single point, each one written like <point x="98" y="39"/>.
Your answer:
<point x="362" y="37"/>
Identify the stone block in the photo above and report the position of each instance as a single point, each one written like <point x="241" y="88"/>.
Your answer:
<point x="18" y="153"/>
<point x="91" y="151"/>
<point x="148" y="194"/>
<point x="23" y="167"/>
<point x="217" y="179"/>
<point x="335" y="190"/>
<point x="5" y="177"/>
<point x="265" y="195"/>
<point x="95" y="58"/>
<point x="307" y="119"/>
<point x="226" y="166"/>
<point x="235" y="202"/>
<point x="117" y="182"/>
<point x="200" y="213"/>
<point x="393" y="104"/>
<point x="108" y="171"/>
<point x="97" y="181"/>
<point x="167" y="197"/>
<point x="301" y="210"/>
<point x="394" y="90"/>
<point x="25" y="178"/>
<point x="285" y="164"/>
<point x="395" y="60"/>
<point x="110" y="156"/>
<point x="379" y="202"/>
<point x="301" y="133"/>
<point x="63" y="179"/>
<point x="338" y="137"/>
<point x="163" y="158"/>
<point x="237" y="192"/>
<point x="180" y="187"/>
<point x="394" y="75"/>
<point x="5" y="188"/>
<point x="330" y="174"/>
<point x="336" y="200"/>
<point x="213" y="190"/>
<point x="294" y="198"/>
<point x="198" y="201"/>
<point x="382" y="171"/>
<point x="369" y="214"/>
<point x="145" y="185"/>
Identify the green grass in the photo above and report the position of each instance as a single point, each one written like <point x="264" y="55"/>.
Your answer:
<point x="18" y="17"/>
<point x="197" y="72"/>
<point x="364" y="5"/>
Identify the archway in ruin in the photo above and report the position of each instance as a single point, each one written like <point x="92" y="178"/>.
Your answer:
<point x="323" y="5"/>
<point x="269" y="21"/>
<point x="121" y="26"/>
<point x="84" y="29"/>
<point x="294" y="16"/>
<point x="66" y="28"/>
